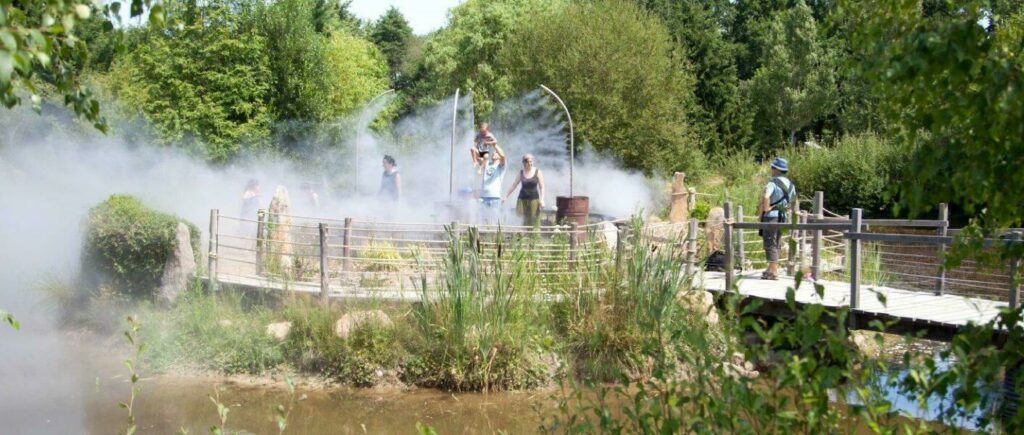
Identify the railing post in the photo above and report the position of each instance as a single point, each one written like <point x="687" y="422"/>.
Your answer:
<point x="691" y="199"/>
<point x="727" y="236"/>
<point x="855" y="227"/>
<point x="474" y="239"/>
<point x="691" y="247"/>
<point x="325" y="276"/>
<point x="573" y="241"/>
<point x="740" y="248"/>
<point x="791" y="251"/>
<point x="1014" y="269"/>
<point x="819" y="213"/>
<point x="211" y="255"/>
<point x="620" y="248"/>
<point x="346" y="245"/>
<point x="261" y="224"/>
<point x="940" y="279"/>
<point x="801" y="252"/>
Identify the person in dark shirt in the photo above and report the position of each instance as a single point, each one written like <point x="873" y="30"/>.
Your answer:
<point x="390" y="180"/>
<point x="531" y="194"/>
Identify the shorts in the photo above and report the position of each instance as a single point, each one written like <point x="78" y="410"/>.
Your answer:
<point x="771" y="238"/>
<point x="491" y="202"/>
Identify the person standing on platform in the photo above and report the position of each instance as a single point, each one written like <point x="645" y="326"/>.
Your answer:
<point x="531" y="195"/>
<point x="778" y="194"/>
<point x="493" y="174"/>
<point x="390" y="180"/>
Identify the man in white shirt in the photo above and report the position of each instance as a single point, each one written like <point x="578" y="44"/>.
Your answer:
<point x="492" y="176"/>
<point x="779" y="193"/>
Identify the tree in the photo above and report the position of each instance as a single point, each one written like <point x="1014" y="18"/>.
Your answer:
<point x="630" y="94"/>
<point x="954" y="92"/>
<point x="391" y="33"/>
<point x="358" y="71"/>
<point x="299" y="68"/>
<point x="698" y="27"/>
<point x="38" y="44"/>
<point x="465" y="53"/>
<point x="795" y="83"/>
<point x="204" y="86"/>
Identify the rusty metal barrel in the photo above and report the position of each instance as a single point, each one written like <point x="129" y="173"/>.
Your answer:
<point x="572" y="209"/>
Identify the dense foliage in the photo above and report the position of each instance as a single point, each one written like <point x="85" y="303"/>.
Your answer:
<point x="653" y="83"/>
<point x="623" y="82"/>
<point x="127" y="246"/>
<point x="856" y="173"/>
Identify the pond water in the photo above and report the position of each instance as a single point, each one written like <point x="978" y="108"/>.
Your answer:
<point x="87" y="402"/>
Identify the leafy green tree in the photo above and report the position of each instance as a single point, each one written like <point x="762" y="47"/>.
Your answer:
<point x="696" y="25"/>
<point x="796" y="81"/>
<point x="203" y="86"/>
<point x="39" y="45"/>
<point x="298" y="62"/>
<point x="465" y="53"/>
<point x="358" y="71"/>
<point x="954" y="92"/>
<point x="750" y="22"/>
<point x="630" y="95"/>
<point x="392" y="33"/>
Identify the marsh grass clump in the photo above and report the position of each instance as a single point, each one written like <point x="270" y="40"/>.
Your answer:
<point x="313" y="346"/>
<point x="622" y="327"/>
<point x="211" y="332"/>
<point x="480" y="331"/>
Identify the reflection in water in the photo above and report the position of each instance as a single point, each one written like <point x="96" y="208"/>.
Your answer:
<point x="166" y="405"/>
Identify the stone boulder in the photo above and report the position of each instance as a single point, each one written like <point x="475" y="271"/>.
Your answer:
<point x="279" y="330"/>
<point x="700" y="301"/>
<point x="349" y="322"/>
<point x="180" y="267"/>
<point x="739" y="367"/>
<point x="864" y="342"/>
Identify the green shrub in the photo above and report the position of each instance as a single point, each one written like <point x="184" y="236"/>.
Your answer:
<point x="855" y="173"/>
<point x="127" y="245"/>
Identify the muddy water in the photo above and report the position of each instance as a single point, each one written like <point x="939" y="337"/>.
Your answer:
<point x="165" y="405"/>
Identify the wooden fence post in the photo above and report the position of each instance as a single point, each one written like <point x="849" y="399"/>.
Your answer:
<point x="940" y="280"/>
<point x="325" y="276"/>
<point x="691" y="248"/>
<point x="727" y="235"/>
<point x="1014" y="269"/>
<point x="691" y="199"/>
<point x="801" y="252"/>
<point x="211" y="255"/>
<point x="474" y="239"/>
<point x="620" y="248"/>
<point x="819" y="213"/>
<point x="740" y="246"/>
<point x="855" y="227"/>
<point x="573" y="241"/>
<point x="261" y="225"/>
<point x="791" y="254"/>
<point x="346" y="245"/>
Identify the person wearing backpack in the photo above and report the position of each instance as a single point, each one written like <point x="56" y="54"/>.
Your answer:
<point x="774" y="207"/>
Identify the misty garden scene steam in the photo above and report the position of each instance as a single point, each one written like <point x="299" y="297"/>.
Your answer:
<point x="561" y="216"/>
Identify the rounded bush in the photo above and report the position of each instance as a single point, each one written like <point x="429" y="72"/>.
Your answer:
<point x="127" y="245"/>
<point x="856" y="172"/>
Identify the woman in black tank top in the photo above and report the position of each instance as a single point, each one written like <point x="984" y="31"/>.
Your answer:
<point x="531" y="195"/>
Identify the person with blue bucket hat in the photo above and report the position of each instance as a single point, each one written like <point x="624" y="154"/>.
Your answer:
<point x="779" y="193"/>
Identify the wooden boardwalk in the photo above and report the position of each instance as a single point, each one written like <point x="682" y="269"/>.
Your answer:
<point x="908" y="306"/>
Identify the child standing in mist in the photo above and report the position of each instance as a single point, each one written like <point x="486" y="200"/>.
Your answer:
<point x="531" y="195"/>
<point x="390" y="180"/>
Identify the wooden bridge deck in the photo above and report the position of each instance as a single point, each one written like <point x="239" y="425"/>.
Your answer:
<point x="922" y="308"/>
<point x="912" y="306"/>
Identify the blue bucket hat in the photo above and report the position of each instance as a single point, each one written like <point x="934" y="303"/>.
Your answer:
<point x="780" y="164"/>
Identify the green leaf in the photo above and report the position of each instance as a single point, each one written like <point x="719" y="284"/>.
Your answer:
<point x="6" y="67"/>
<point x="8" y="39"/>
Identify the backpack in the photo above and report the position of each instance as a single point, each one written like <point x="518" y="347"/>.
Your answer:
<point x="715" y="262"/>
<point x="782" y="205"/>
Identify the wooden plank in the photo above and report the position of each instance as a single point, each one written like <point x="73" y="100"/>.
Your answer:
<point x="790" y="226"/>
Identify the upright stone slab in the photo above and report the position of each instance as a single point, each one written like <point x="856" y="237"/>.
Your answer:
<point x="180" y="267"/>
<point x="679" y="209"/>
<point x="279" y="225"/>
<point x="715" y="228"/>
